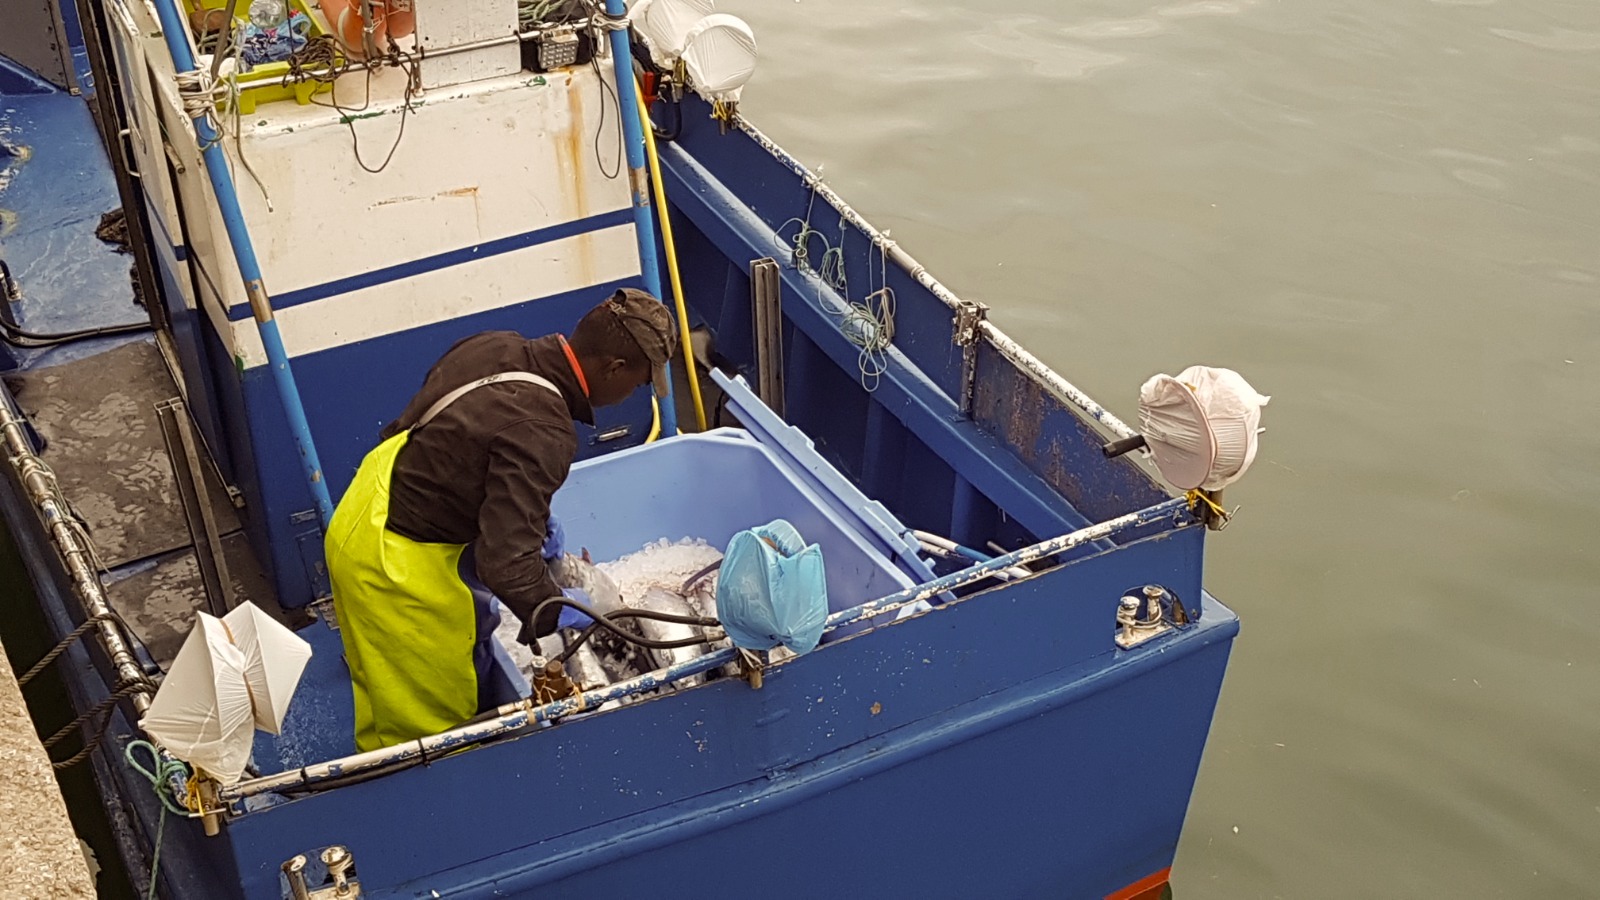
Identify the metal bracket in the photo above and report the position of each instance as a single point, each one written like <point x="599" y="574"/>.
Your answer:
<point x="612" y="434"/>
<point x="189" y="472"/>
<point x="752" y="666"/>
<point x="323" y="609"/>
<point x="968" y="315"/>
<point x="766" y="306"/>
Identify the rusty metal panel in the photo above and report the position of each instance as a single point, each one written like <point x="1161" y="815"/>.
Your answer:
<point x="1054" y="441"/>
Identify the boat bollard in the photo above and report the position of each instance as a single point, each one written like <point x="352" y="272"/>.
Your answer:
<point x="1132" y="630"/>
<point x="210" y="807"/>
<point x="338" y="860"/>
<point x="294" y="871"/>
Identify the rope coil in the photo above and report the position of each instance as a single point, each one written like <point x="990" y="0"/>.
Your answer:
<point x="164" y="770"/>
<point x="201" y="93"/>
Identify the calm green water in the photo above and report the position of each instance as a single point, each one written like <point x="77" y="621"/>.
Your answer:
<point x="1385" y="214"/>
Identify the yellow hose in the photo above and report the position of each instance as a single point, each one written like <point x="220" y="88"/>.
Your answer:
<point x="655" y="420"/>
<point x="672" y="255"/>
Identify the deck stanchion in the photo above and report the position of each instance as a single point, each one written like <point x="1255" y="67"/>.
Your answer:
<point x="644" y="220"/>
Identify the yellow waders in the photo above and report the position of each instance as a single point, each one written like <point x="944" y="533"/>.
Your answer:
<point x="407" y="619"/>
<point x="404" y="613"/>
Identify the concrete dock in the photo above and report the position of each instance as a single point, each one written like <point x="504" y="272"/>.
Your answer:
<point x="39" y="852"/>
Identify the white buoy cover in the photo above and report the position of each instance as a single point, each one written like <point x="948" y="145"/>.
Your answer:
<point x="665" y="23"/>
<point x="1202" y="426"/>
<point x="274" y="659"/>
<point x="202" y="714"/>
<point x="231" y="675"/>
<point x="720" y="54"/>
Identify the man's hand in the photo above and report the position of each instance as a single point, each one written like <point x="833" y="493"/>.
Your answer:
<point x="571" y="618"/>
<point x="555" y="540"/>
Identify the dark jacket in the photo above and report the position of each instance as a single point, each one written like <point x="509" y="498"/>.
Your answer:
<point x="483" y="471"/>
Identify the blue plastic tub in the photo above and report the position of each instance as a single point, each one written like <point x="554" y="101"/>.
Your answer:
<point x="711" y="486"/>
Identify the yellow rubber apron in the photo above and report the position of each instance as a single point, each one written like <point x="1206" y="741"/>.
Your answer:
<point x="407" y="619"/>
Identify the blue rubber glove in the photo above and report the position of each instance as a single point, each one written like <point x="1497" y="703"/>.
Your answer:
<point x="571" y="618"/>
<point x="555" y="539"/>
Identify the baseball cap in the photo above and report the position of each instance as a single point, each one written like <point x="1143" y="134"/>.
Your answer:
<point x="651" y="327"/>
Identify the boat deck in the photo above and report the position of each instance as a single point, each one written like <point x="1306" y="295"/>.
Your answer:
<point x="93" y="403"/>
<point x="97" y="418"/>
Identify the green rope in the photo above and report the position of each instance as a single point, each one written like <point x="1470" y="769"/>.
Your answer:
<point x="165" y="769"/>
<point x="155" y="861"/>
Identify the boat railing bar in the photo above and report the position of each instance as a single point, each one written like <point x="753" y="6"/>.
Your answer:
<point x="76" y="553"/>
<point x="515" y="716"/>
<point x="1008" y="348"/>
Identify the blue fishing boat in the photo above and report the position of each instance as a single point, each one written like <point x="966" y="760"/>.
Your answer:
<point x="236" y="236"/>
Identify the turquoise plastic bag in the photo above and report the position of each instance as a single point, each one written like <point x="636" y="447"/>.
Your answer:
<point x="771" y="589"/>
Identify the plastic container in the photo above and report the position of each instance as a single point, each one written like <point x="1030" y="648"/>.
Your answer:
<point x="264" y="83"/>
<point x="711" y="486"/>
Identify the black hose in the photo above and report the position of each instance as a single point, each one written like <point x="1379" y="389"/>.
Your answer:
<point x="17" y="337"/>
<point x="604" y="622"/>
<point x="629" y="613"/>
<point x="663" y="134"/>
<point x="688" y="585"/>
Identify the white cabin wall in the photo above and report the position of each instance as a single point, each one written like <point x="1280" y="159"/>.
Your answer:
<point x="460" y="22"/>
<point x="477" y="163"/>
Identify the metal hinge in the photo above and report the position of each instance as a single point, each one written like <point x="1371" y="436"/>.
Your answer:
<point x="969" y="315"/>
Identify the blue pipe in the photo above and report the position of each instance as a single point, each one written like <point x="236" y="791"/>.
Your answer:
<point x="644" y="219"/>
<point x="176" y="32"/>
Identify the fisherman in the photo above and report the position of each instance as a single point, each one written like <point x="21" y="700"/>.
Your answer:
<point x="454" y="505"/>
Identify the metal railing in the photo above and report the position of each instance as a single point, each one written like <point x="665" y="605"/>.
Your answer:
<point x="71" y="542"/>
<point x="516" y="716"/>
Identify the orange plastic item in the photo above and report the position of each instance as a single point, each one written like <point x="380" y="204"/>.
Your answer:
<point x="344" y="17"/>
<point x="402" y="18"/>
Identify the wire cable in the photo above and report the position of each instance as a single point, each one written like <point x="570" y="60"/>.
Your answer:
<point x="616" y="101"/>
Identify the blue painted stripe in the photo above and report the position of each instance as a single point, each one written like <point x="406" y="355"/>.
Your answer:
<point x="409" y="268"/>
<point x="179" y="251"/>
